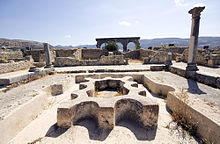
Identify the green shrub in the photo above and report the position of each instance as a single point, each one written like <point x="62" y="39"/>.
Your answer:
<point x="111" y="46"/>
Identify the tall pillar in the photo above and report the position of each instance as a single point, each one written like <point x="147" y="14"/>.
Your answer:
<point x="98" y="45"/>
<point x="137" y="43"/>
<point x="124" y="44"/>
<point x="191" y="65"/>
<point x="48" y="55"/>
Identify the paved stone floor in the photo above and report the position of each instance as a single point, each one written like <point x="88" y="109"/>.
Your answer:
<point x="15" y="97"/>
<point x="202" y="69"/>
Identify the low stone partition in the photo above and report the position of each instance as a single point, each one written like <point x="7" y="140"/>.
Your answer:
<point x="205" y="79"/>
<point x="14" y="66"/>
<point x="104" y="60"/>
<point x="204" y="126"/>
<point x="156" y="88"/>
<point x="24" y="77"/>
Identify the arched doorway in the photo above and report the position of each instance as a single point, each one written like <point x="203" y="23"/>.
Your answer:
<point x="120" y="46"/>
<point x="131" y="46"/>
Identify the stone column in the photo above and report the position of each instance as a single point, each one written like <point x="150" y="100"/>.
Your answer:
<point x="191" y="65"/>
<point x="124" y="44"/>
<point x="168" y="61"/>
<point x="48" y="55"/>
<point x="137" y="43"/>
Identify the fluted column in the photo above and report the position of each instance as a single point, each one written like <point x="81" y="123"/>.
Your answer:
<point x="191" y="64"/>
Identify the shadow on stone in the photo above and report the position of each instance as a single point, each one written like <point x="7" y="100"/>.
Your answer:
<point x="95" y="132"/>
<point x="140" y="132"/>
<point x="55" y="131"/>
<point x="193" y="87"/>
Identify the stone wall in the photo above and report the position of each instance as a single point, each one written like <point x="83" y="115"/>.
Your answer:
<point x="104" y="60"/>
<point x="157" y="58"/>
<point x="134" y="54"/>
<point x="207" y="128"/>
<point x="6" y="54"/>
<point x="112" y="60"/>
<point x="14" y="66"/>
<point x="172" y="49"/>
<point x="204" y="57"/>
<point x="146" y="53"/>
<point x="205" y="79"/>
<point x="92" y="53"/>
<point x="39" y="55"/>
<point x="65" y="52"/>
<point x="138" y="54"/>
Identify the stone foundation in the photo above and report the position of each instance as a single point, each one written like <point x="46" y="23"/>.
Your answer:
<point x="104" y="60"/>
<point x="107" y="112"/>
<point x="158" y="58"/>
<point x="14" y="66"/>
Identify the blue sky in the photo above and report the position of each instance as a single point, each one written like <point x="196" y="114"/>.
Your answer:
<point x="74" y="22"/>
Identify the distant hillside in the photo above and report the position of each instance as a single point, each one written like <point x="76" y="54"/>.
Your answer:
<point x="212" y="42"/>
<point x="20" y="44"/>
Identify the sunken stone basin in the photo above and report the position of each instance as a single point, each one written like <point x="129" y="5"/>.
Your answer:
<point x="132" y="104"/>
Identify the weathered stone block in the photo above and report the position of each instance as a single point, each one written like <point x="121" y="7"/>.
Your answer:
<point x="56" y="89"/>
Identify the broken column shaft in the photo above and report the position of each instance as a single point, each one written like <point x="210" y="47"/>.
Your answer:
<point x="48" y="55"/>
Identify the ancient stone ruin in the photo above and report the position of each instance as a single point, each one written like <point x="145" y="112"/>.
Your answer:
<point x="165" y="94"/>
<point x="123" y="40"/>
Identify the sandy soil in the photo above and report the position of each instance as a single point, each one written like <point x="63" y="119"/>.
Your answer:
<point x="43" y="129"/>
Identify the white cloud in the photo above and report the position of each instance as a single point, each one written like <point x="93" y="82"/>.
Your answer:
<point x="68" y="36"/>
<point x="137" y="22"/>
<point x="181" y="3"/>
<point x="199" y="5"/>
<point x="125" y="23"/>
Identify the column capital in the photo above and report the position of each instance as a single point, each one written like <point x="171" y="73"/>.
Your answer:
<point x="196" y="11"/>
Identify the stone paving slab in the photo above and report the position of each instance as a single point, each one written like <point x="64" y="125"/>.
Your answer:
<point x="202" y="70"/>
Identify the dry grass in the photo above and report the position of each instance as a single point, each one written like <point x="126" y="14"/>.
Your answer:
<point x="35" y="141"/>
<point x="181" y="119"/>
<point x="211" y="104"/>
<point x="135" y="61"/>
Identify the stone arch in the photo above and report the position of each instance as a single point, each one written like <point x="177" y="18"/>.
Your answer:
<point x="124" y="41"/>
<point x="130" y="44"/>
<point x="86" y="110"/>
<point x="128" y="109"/>
<point x="102" y="45"/>
<point x="120" y="45"/>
